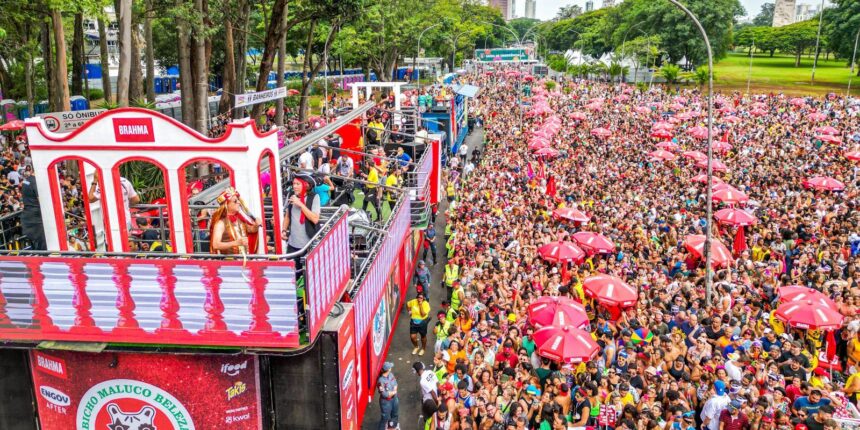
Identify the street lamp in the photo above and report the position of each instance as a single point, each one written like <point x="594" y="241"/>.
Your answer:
<point x="817" y="39"/>
<point x="415" y="60"/>
<point x="749" y="73"/>
<point x="853" y="59"/>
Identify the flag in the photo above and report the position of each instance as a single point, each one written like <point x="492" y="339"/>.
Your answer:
<point x="831" y="345"/>
<point x="530" y="173"/>
<point x="541" y="173"/>
<point x="550" y="187"/>
<point x="740" y="243"/>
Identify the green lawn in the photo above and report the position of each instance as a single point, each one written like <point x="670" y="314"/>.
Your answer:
<point x="778" y="74"/>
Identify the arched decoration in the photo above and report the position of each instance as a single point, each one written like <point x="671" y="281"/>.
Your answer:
<point x="196" y="214"/>
<point x="130" y="232"/>
<point x="91" y="226"/>
<point x="270" y="189"/>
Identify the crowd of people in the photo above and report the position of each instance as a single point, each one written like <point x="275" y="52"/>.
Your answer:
<point x="672" y="360"/>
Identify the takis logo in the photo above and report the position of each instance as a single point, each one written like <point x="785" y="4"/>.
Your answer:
<point x="238" y="388"/>
<point x="126" y="404"/>
<point x="233" y="369"/>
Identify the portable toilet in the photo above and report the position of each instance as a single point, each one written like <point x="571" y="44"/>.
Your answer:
<point x="94" y="71"/>
<point x="23" y="109"/>
<point x="157" y="85"/>
<point x="42" y="107"/>
<point x="8" y="110"/>
<point x="78" y="103"/>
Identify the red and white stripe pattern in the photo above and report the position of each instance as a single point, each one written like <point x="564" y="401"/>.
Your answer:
<point x="327" y="274"/>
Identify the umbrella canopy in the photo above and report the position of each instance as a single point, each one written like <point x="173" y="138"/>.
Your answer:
<point x="641" y="335"/>
<point x="735" y="217"/>
<point x="758" y="112"/>
<point x="731" y="120"/>
<point x="722" y="186"/>
<point x="662" y="125"/>
<point x="703" y="178"/>
<point x="601" y="132"/>
<point x="816" y="116"/>
<point x="721" y="146"/>
<point x="827" y="130"/>
<point x="662" y="155"/>
<point x="13" y="125"/>
<point x="695" y="155"/>
<point x="661" y="134"/>
<point x="547" y="152"/>
<point x="853" y="155"/>
<point x="565" y="344"/>
<point x="610" y="291"/>
<point x="528" y="78"/>
<point x="643" y="109"/>
<point x="809" y="315"/>
<point x="729" y="196"/>
<point x="560" y="311"/>
<point x="536" y="144"/>
<point x="716" y="165"/>
<point x="561" y="252"/>
<point x="726" y="110"/>
<point x="594" y="106"/>
<point x="668" y="146"/>
<point x="824" y="183"/>
<point x="700" y="132"/>
<point x="829" y="138"/>
<point x="791" y="293"/>
<point x="570" y="214"/>
<point x="594" y="243"/>
<point x="720" y="255"/>
<point x="798" y="102"/>
<point x="578" y="116"/>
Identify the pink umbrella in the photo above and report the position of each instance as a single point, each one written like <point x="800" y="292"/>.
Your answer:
<point x="661" y="134"/>
<point x="556" y="252"/>
<point x="700" y="132"/>
<point x="610" y="291"/>
<point x="668" y="146"/>
<point x="565" y="344"/>
<point x="721" y="146"/>
<point x="729" y="196"/>
<point x="13" y="125"/>
<point x="578" y="116"/>
<point x="547" y="152"/>
<point x="809" y="315"/>
<point x="824" y="183"/>
<point x="716" y="165"/>
<point x="758" y="112"/>
<point x="703" y="178"/>
<point x="735" y="217"/>
<point x="594" y="106"/>
<point x="554" y="310"/>
<point x="679" y="99"/>
<point x="726" y="109"/>
<point x="594" y="243"/>
<point x="720" y="255"/>
<point x="853" y="155"/>
<point x="601" y="132"/>
<point x="722" y="186"/>
<point x="759" y="105"/>
<point x="684" y="116"/>
<point x="662" y="125"/>
<point x="791" y="293"/>
<point x="643" y="109"/>
<point x="597" y="100"/>
<point x="695" y="155"/>
<point x="570" y="214"/>
<point x="797" y="102"/>
<point x="621" y="98"/>
<point x="827" y="130"/>
<point x="536" y="144"/>
<point x="829" y="138"/>
<point x="816" y="116"/>
<point x="731" y="120"/>
<point x="676" y="106"/>
<point x="662" y="155"/>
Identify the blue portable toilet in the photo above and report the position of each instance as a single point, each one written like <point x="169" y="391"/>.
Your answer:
<point x="173" y="71"/>
<point x="156" y="83"/>
<point x="94" y="71"/>
<point x="42" y="107"/>
<point x="23" y="110"/>
<point x="78" y="103"/>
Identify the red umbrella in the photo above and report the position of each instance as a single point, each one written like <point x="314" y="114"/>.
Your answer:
<point x="792" y="293"/>
<point x="853" y="155"/>
<point x="721" y="146"/>
<point x="13" y="125"/>
<point x="829" y="138"/>
<point x="594" y="106"/>
<point x="560" y="311"/>
<point x="827" y="130"/>
<point x="703" y="178"/>
<point x="610" y="291"/>
<point x="722" y="186"/>
<point x="668" y="146"/>
<point x="565" y="344"/>
<point x="547" y="152"/>
<point x="578" y="116"/>
<point x="594" y="243"/>
<point x="570" y="214"/>
<point x="676" y="106"/>
<point x="726" y="109"/>
<point x="662" y="125"/>
<point x="556" y="252"/>
<point x="621" y="98"/>
<point x="695" y="155"/>
<point x="662" y="155"/>
<point x="824" y="183"/>
<point x="816" y="116"/>
<point x="798" y="102"/>
<point x="661" y="134"/>
<point x="293" y="92"/>
<point x="716" y="165"/>
<point x="735" y="217"/>
<point x="720" y="255"/>
<point x="758" y="112"/>
<point x="528" y="78"/>
<point x="809" y="315"/>
<point x="601" y="132"/>
<point x="729" y="196"/>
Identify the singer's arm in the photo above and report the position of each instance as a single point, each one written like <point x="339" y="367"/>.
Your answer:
<point x="218" y="245"/>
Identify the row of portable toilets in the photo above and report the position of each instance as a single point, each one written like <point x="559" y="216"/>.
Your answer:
<point x="11" y="110"/>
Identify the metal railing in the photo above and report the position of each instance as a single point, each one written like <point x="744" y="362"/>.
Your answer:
<point x="12" y="237"/>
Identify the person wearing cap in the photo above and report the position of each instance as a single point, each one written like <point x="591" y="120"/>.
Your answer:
<point x="714" y="406"/>
<point x="389" y="403"/>
<point x="732" y="418"/>
<point x="422" y="279"/>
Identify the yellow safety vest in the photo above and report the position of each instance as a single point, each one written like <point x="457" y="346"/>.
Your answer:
<point x="455" y="299"/>
<point x="451" y="274"/>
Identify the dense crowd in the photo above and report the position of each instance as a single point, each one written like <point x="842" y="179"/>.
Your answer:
<point x="671" y="360"/>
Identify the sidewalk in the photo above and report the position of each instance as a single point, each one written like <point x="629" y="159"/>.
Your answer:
<point x="400" y="352"/>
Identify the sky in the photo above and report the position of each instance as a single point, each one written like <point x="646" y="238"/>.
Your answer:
<point x="547" y="9"/>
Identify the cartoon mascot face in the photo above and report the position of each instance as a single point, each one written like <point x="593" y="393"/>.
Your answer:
<point x="140" y="420"/>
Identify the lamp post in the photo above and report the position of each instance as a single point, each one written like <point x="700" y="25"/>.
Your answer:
<point x="624" y="41"/>
<point x="749" y="73"/>
<point x="707" y="248"/>
<point x="853" y="59"/>
<point x="817" y="39"/>
<point x="415" y="60"/>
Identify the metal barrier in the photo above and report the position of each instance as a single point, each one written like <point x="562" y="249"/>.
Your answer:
<point x="12" y="236"/>
<point x="417" y="184"/>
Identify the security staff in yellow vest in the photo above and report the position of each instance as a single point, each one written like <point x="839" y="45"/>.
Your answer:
<point x="452" y="273"/>
<point x="458" y="296"/>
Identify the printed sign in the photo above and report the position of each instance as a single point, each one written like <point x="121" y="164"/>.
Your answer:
<point x="133" y="130"/>
<point x="65" y="122"/>
<point x="129" y="391"/>
<point x="248" y="99"/>
<point x="348" y="368"/>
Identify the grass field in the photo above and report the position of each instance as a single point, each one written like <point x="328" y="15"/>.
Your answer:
<point x="778" y="74"/>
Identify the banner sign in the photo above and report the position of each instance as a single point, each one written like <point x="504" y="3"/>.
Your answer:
<point x="248" y="99"/>
<point x="65" y="122"/>
<point x="348" y="371"/>
<point x="146" y="391"/>
<point x="125" y="300"/>
<point x="133" y="130"/>
<point x="327" y="274"/>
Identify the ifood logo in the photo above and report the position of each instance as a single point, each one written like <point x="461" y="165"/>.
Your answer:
<point x="234" y="369"/>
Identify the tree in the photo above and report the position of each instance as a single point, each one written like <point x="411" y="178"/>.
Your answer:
<point x="797" y="38"/>
<point x="765" y="16"/>
<point x="125" y="47"/>
<point x="61" y="82"/>
<point x="843" y="24"/>
<point x="699" y="76"/>
<point x="670" y="73"/>
<point x="642" y="50"/>
<point x="568" y="12"/>
<point x="521" y="26"/>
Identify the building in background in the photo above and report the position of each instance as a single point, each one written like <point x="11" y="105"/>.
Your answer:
<point x="805" y="11"/>
<point x="589" y="6"/>
<point x="608" y="3"/>
<point x="784" y="12"/>
<point x="530" y="8"/>
<point x="506" y="7"/>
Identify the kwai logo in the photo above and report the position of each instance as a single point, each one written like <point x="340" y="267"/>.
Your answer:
<point x="126" y="404"/>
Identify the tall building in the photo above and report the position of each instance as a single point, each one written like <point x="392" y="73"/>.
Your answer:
<point x="804" y="12"/>
<point x="783" y="12"/>
<point x="504" y="6"/>
<point x="512" y="10"/>
<point x="589" y="6"/>
<point x="608" y="3"/>
<point x="530" y="8"/>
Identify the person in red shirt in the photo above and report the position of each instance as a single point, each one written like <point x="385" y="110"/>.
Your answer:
<point x="507" y="354"/>
<point x="733" y="419"/>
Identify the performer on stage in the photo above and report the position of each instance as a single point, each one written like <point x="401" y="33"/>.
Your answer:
<point x="232" y="230"/>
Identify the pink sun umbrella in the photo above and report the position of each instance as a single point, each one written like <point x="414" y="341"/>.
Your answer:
<point x="827" y="130"/>
<point x="556" y="252"/>
<point x="662" y="155"/>
<point x="661" y="134"/>
<point x="797" y="102"/>
<point x="729" y="196"/>
<point x="594" y="106"/>
<point x="643" y="109"/>
<point x="758" y="112"/>
<point x="703" y="178"/>
<point x="594" y="243"/>
<point x="547" y="152"/>
<point x="829" y="138"/>
<point x="853" y="155"/>
<point x="668" y="146"/>
<point x="726" y="110"/>
<point x="565" y="344"/>
<point x="731" y="120"/>
<point x="601" y="132"/>
<point x="720" y="255"/>
<point x="735" y="217"/>
<point x="570" y="214"/>
<point x="716" y="165"/>
<point x="722" y="186"/>
<point x="824" y="183"/>
<point x="610" y="291"/>
<point x="547" y="310"/>
<point x="578" y="116"/>
<point x="721" y="146"/>
<point x="816" y="116"/>
<point x="662" y="125"/>
<point x="695" y="155"/>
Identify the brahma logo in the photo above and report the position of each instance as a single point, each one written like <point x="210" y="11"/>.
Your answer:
<point x="50" y="365"/>
<point x="133" y="130"/>
<point x="126" y="404"/>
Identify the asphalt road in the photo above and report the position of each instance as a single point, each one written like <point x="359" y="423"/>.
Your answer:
<point x="400" y="352"/>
